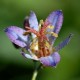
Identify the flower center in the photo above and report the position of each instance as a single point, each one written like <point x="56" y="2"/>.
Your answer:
<point x="40" y="45"/>
<point x="40" y="48"/>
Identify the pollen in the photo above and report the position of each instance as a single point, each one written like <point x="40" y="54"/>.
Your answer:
<point x="50" y="27"/>
<point x="41" y="23"/>
<point x="34" y="45"/>
<point x="54" y="34"/>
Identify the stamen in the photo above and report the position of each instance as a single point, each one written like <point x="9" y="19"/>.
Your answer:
<point x="40" y="45"/>
<point x="26" y="33"/>
<point x="54" y="34"/>
<point x="40" y="24"/>
<point x="31" y="30"/>
<point x="50" y="26"/>
<point x="42" y="30"/>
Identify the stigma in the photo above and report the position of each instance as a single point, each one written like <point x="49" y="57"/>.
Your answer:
<point x="40" y="45"/>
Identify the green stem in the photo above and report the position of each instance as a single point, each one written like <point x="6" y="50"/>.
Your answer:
<point x="34" y="75"/>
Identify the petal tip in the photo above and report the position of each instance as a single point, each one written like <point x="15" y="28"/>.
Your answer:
<point x="56" y="56"/>
<point x="59" y="12"/>
<point x="71" y="34"/>
<point x="32" y="12"/>
<point x="6" y="30"/>
<point x="51" y="60"/>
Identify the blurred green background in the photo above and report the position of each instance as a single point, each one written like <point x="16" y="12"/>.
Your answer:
<point x="14" y="66"/>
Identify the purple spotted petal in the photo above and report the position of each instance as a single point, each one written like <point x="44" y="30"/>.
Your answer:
<point x="26" y="55"/>
<point x="51" y="60"/>
<point x="64" y="43"/>
<point x="33" y="22"/>
<point x="15" y="34"/>
<point x="16" y="46"/>
<point x="29" y="56"/>
<point x="55" y="19"/>
<point x="56" y="57"/>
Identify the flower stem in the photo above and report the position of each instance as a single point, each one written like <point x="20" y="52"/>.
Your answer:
<point x="34" y="75"/>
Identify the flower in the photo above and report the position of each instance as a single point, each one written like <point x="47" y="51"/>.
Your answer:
<point x="38" y="38"/>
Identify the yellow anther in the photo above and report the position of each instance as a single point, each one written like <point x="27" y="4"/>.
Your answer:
<point x="54" y="34"/>
<point x="51" y="27"/>
<point x="41" y="22"/>
<point x="39" y="26"/>
<point x="25" y="33"/>
<point x="34" y="45"/>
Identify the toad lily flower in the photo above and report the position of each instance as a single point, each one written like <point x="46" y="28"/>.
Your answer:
<point x="38" y="39"/>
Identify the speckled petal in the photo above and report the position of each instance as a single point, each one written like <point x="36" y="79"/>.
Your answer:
<point x="56" y="57"/>
<point x="15" y="34"/>
<point x="64" y="43"/>
<point x="51" y="60"/>
<point x="55" y="19"/>
<point x="29" y="56"/>
<point x="33" y="22"/>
